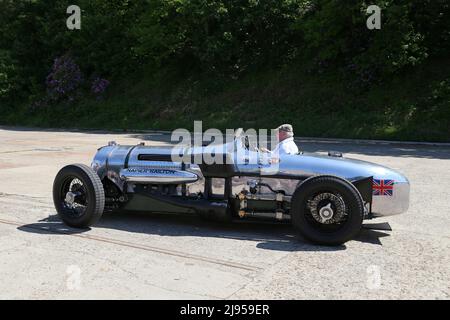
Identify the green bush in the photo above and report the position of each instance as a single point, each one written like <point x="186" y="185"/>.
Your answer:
<point x="7" y="74"/>
<point x="119" y="37"/>
<point x="335" y="31"/>
<point x="217" y="35"/>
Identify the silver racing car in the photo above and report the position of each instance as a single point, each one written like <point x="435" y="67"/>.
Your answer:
<point x="325" y="197"/>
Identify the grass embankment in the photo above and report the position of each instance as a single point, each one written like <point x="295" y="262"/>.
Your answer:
<point x="414" y="105"/>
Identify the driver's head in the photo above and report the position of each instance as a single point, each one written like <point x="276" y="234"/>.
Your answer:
<point x="285" y="131"/>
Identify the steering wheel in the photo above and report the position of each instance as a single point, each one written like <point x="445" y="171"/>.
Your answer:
<point x="245" y="140"/>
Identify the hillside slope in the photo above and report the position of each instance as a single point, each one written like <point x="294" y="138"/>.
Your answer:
<point x="414" y="105"/>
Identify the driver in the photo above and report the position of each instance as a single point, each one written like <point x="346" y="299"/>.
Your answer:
<point x="286" y="144"/>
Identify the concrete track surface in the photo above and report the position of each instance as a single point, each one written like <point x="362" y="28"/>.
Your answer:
<point x="154" y="256"/>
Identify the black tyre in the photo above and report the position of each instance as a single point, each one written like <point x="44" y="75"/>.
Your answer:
<point x="78" y="196"/>
<point x="327" y="210"/>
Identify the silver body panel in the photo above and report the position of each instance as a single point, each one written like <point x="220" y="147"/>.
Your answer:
<point x="111" y="162"/>
<point x="157" y="175"/>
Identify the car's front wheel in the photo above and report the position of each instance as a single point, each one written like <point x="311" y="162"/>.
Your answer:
<point x="78" y="195"/>
<point x="327" y="210"/>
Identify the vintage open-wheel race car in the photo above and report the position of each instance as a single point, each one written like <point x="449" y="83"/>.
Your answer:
<point x="325" y="197"/>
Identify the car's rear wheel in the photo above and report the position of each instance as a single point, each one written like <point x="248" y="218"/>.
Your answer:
<point x="78" y="196"/>
<point x="327" y="210"/>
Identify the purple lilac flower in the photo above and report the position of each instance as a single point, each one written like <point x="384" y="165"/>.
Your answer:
<point x="64" y="79"/>
<point x="99" y="85"/>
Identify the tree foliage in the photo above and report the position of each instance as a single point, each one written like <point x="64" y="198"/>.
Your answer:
<point x="229" y="37"/>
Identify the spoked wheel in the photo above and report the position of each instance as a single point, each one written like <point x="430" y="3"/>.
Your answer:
<point x="78" y="196"/>
<point x="74" y="195"/>
<point x="327" y="210"/>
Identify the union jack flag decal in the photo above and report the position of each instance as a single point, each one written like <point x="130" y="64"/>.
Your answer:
<point x="383" y="187"/>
